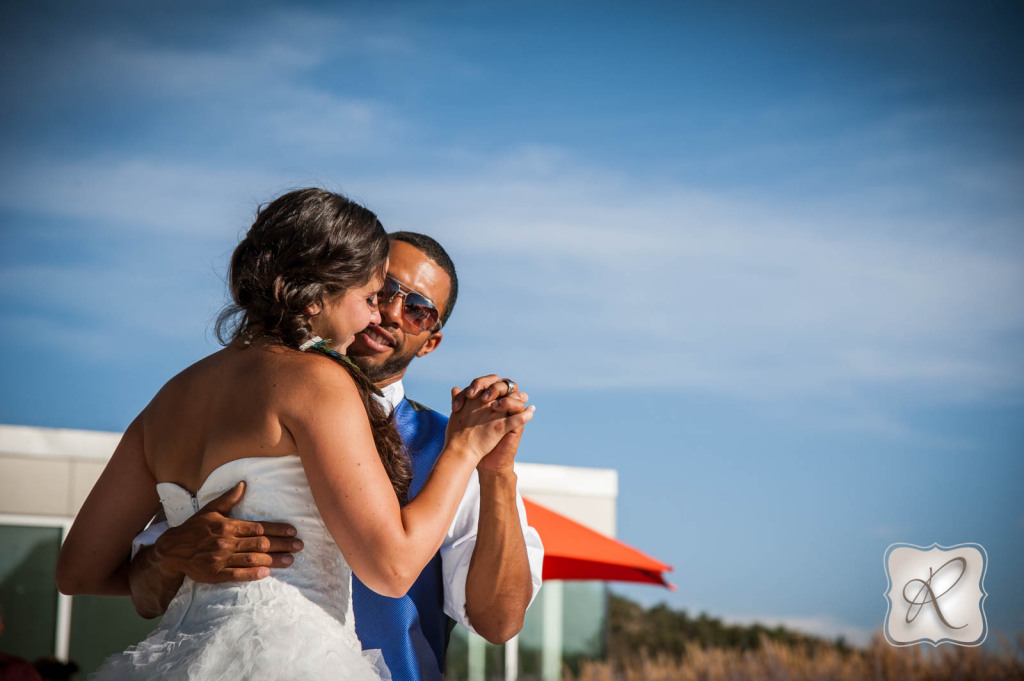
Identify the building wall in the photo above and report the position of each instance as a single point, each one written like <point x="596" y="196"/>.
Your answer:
<point x="46" y="475"/>
<point x="49" y="471"/>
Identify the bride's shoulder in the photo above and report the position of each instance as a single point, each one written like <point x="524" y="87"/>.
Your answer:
<point x="314" y="389"/>
<point x="307" y="376"/>
<point x="190" y="378"/>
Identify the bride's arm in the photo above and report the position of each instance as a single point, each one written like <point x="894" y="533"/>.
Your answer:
<point x="94" y="556"/>
<point x="385" y="544"/>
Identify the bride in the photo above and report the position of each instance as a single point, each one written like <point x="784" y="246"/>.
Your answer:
<point x="283" y="410"/>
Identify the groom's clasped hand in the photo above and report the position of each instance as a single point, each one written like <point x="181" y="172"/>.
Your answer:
<point x="489" y="416"/>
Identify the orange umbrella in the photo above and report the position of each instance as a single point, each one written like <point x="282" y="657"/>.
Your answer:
<point x="574" y="551"/>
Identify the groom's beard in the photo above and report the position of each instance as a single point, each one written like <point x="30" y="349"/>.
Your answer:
<point x="392" y="366"/>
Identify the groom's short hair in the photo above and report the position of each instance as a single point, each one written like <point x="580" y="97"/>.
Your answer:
<point x="435" y="252"/>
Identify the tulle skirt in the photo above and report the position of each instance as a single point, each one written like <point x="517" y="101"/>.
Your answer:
<point x="264" y="630"/>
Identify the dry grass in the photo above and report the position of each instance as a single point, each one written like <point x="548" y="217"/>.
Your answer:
<point x="778" y="662"/>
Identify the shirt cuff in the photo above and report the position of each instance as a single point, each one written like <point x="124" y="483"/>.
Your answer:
<point x="457" y="554"/>
<point x="149" y="536"/>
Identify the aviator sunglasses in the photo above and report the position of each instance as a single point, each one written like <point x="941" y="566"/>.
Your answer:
<point x="417" y="309"/>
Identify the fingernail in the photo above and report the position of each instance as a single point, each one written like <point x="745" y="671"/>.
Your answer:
<point x="287" y="560"/>
<point x="263" y="572"/>
<point x="297" y="545"/>
<point x="291" y="532"/>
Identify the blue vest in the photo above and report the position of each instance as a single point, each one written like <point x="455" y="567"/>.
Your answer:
<point x="412" y="631"/>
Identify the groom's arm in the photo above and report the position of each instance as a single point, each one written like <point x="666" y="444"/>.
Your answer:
<point x="151" y="588"/>
<point x="504" y="570"/>
<point x="492" y="602"/>
<point x="499" y="585"/>
<point x="210" y="548"/>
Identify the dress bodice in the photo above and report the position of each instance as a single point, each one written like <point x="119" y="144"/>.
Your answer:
<point x="295" y="624"/>
<point x="276" y="490"/>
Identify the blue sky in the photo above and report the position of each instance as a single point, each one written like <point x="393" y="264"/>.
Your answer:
<point x="766" y="262"/>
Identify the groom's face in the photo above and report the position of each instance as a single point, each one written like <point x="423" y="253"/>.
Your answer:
<point x="384" y="350"/>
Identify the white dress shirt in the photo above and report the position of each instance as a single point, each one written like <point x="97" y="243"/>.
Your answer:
<point x="460" y="540"/>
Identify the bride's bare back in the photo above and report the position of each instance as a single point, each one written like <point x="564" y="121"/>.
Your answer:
<point x="227" y="406"/>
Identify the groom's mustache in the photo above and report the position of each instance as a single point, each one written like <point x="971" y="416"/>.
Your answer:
<point x="380" y="335"/>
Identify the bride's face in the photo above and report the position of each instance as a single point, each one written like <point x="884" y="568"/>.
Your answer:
<point x="345" y="314"/>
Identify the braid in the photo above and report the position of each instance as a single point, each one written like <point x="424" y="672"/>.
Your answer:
<point x="303" y="246"/>
<point x="382" y="423"/>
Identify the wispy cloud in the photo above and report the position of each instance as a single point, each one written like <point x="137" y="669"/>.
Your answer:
<point x="254" y="89"/>
<point x="575" y="274"/>
<point x="687" y="288"/>
<point x="132" y="194"/>
<point x="714" y="289"/>
<point x="110" y="311"/>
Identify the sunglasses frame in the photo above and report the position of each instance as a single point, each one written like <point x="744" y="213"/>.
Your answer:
<point x="404" y="291"/>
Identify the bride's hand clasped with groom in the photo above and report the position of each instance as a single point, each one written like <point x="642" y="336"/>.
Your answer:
<point x="479" y="403"/>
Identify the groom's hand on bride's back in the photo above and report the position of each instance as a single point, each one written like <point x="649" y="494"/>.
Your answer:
<point x="211" y="547"/>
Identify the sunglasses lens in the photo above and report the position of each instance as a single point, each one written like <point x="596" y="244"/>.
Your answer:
<point x="388" y="292"/>
<point x="420" y="311"/>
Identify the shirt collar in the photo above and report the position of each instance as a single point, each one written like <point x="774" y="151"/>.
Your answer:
<point x="393" y="394"/>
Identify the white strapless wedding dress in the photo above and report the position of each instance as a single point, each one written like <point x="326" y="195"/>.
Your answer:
<point x="295" y="624"/>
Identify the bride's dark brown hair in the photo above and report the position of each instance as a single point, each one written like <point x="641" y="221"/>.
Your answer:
<point x="302" y="247"/>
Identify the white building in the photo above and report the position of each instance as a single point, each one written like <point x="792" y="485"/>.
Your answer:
<point x="46" y="474"/>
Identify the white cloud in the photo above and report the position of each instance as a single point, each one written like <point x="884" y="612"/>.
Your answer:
<point x="875" y="420"/>
<point x="191" y="201"/>
<point x="600" y="282"/>
<point x="254" y="90"/>
<point x="110" y="311"/>
<point x="573" y="278"/>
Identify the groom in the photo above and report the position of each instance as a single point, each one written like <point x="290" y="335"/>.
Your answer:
<point x="489" y="567"/>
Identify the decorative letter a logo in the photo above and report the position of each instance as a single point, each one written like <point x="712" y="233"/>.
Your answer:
<point x="935" y="594"/>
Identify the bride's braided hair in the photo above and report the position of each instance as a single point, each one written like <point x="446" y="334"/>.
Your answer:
<point x="302" y="247"/>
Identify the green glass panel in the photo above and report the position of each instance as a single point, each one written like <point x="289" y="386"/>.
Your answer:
<point x="102" y="626"/>
<point x="583" y="623"/>
<point x="584" y="630"/>
<point x="531" y="639"/>
<point x="456" y="659"/>
<point x="584" y="620"/>
<point x="584" y="617"/>
<point x="494" y="665"/>
<point x="28" y="594"/>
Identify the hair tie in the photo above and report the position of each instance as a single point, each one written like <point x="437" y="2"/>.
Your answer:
<point x="310" y="343"/>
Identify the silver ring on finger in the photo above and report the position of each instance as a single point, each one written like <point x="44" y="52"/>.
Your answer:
<point x="510" y="386"/>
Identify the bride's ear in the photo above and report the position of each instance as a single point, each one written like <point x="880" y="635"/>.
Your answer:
<point x="313" y="309"/>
